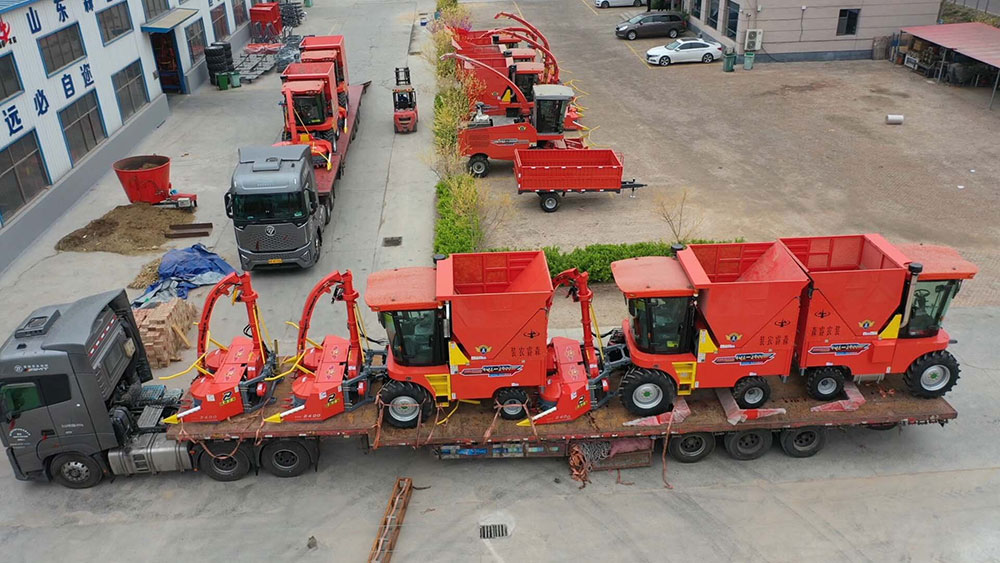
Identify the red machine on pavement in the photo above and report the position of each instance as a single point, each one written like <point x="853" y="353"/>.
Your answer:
<point x="231" y="380"/>
<point x="551" y="174"/>
<point x="309" y="92"/>
<point x="265" y="22"/>
<point x="329" y="49"/>
<point x="146" y="179"/>
<point x="404" y="103"/>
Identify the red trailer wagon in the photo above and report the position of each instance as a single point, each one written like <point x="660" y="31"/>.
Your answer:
<point x="551" y="173"/>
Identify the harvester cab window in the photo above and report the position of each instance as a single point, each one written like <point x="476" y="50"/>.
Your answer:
<point x="262" y="208"/>
<point x="525" y="82"/>
<point x="549" y="116"/>
<point x="416" y="337"/>
<point x="661" y="325"/>
<point x="930" y="303"/>
<point x="310" y="110"/>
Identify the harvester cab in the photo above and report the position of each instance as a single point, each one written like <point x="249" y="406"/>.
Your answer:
<point x="549" y="112"/>
<point x="525" y="75"/>
<point x="328" y="49"/>
<point x="234" y="379"/>
<point x="312" y="110"/>
<point x="404" y="102"/>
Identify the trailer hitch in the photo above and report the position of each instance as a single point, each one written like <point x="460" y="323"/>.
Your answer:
<point x="632" y="185"/>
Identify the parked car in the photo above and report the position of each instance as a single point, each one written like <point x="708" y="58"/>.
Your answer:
<point x="618" y="3"/>
<point x="685" y="51"/>
<point x="656" y="24"/>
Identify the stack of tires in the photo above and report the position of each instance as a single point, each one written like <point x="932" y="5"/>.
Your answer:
<point x="219" y="57"/>
<point x="292" y="14"/>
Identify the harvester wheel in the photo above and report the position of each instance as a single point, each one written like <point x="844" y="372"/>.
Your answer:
<point x="512" y="401"/>
<point x="751" y="392"/>
<point x="549" y="201"/>
<point x="285" y="458"/>
<point x="647" y="392"/>
<point x="223" y="466"/>
<point x="405" y="403"/>
<point x="76" y="471"/>
<point x="748" y="444"/>
<point x="479" y="166"/>
<point x="825" y="384"/>
<point x="803" y="442"/>
<point x="932" y="375"/>
<point x="689" y="448"/>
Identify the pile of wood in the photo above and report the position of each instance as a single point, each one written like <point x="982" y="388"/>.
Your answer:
<point x="163" y="330"/>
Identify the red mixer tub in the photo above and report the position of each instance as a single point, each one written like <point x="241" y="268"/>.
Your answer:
<point x="146" y="179"/>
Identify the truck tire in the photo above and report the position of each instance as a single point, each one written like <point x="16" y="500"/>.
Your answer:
<point x="517" y="398"/>
<point x="549" y="201"/>
<point x="751" y="392"/>
<point x="647" y="392"/>
<point x="285" y="458"/>
<point x="76" y="471"/>
<point x="223" y="466"/>
<point x="802" y="442"/>
<point x="328" y="203"/>
<point x="745" y="445"/>
<point x="825" y="384"/>
<point x="932" y="375"/>
<point x="689" y="448"/>
<point x="479" y="166"/>
<point x="405" y="403"/>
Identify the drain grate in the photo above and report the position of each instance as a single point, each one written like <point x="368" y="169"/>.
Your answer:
<point x="392" y="241"/>
<point x="491" y="531"/>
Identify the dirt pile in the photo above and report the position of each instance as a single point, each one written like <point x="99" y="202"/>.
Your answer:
<point x="127" y="229"/>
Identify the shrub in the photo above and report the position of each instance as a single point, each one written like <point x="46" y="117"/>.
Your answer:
<point x="458" y="227"/>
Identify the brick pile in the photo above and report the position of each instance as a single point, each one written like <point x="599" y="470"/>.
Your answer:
<point x="163" y="330"/>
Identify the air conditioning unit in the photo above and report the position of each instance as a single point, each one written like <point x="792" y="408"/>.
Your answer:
<point x="754" y="39"/>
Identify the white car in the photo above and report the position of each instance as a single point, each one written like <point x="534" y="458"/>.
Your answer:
<point x="685" y="51"/>
<point x="610" y="3"/>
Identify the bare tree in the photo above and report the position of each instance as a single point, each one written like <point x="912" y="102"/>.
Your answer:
<point x="683" y="222"/>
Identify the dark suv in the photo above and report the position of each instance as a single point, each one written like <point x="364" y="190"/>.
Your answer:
<point x="670" y="24"/>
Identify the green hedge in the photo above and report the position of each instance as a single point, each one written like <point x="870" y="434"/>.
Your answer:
<point x="596" y="259"/>
<point x="456" y="229"/>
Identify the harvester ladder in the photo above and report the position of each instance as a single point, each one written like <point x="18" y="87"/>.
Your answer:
<point x="441" y="383"/>
<point x="685" y="377"/>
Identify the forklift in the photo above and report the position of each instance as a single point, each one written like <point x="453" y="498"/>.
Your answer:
<point x="404" y="102"/>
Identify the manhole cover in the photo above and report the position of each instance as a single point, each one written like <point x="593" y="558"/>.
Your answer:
<point x="392" y="241"/>
<point x="491" y="531"/>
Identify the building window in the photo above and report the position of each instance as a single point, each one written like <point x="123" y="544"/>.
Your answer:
<point x="220" y="23"/>
<point x="130" y="88"/>
<point x="22" y="175"/>
<point x="713" y="14"/>
<point x="154" y="8"/>
<point x="847" y="23"/>
<point x="10" y="84"/>
<point x="240" y="15"/>
<point x="195" y="34"/>
<point x="696" y="8"/>
<point x="62" y="48"/>
<point x="733" y="19"/>
<point x="81" y="124"/>
<point x="114" y="22"/>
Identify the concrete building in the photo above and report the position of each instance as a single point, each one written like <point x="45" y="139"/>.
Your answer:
<point x="801" y="30"/>
<point x="81" y="81"/>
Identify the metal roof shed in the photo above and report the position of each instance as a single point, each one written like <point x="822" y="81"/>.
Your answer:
<point x="974" y="40"/>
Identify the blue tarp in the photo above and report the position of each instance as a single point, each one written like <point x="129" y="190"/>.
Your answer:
<point x="182" y="270"/>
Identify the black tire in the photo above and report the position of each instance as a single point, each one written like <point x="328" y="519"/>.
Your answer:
<point x="514" y="395"/>
<point x="672" y="33"/>
<point x="479" y="165"/>
<point x="745" y="445"/>
<point x="76" y="471"/>
<point x="825" y="384"/>
<point x="398" y="397"/>
<point x="751" y="392"/>
<point x="605" y="4"/>
<point x="637" y="3"/>
<point x="549" y="201"/>
<point x="932" y="375"/>
<point x="882" y="426"/>
<point x="285" y="458"/>
<point x="225" y="467"/>
<point x="639" y="395"/>
<point x="330" y="135"/>
<point x="803" y="442"/>
<point x="664" y="61"/>
<point x="328" y="203"/>
<point x="631" y="35"/>
<point x="707" y="58"/>
<point x="689" y="448"/>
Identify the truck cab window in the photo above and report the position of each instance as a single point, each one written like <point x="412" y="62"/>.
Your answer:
<point x="930" y="303"/>
<point x="415" y="337"/>
<point x="269" y="207"/>
<point x="660" y="325"/>
<point x="19" y="397"/>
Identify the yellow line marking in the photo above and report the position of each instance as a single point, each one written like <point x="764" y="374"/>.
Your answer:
<point x="637" y="55"/>
<point x="584" y="2"/>
<point x="518" y="9"/>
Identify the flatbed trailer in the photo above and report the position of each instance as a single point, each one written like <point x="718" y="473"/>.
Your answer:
<point x="327" y="177"/>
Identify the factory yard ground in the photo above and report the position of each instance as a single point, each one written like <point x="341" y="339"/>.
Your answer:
<point x="791" y="149"/>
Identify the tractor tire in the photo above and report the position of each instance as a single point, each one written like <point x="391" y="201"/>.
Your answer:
<point x="745" y="445"/>
<point x="285" y="458"/>
<point x="479" y="166"/>
<point x="329" y="135"/>
<point x="549" y="201"/>
<point x="803" y="442"/>
<point x="405" y="403"/>
<point x="517" y="398"/>
<point x="76" y="471"/>
<point x="224" y="467"/>
<point x="647" y="392"/>
<point x="932" y="375"/>
<point x="751" y="392"/>
<point x="690" y="448"/>
<point x="707" y="58"/>
<point x="664" y="61"/>
<point x="672" y="34"/>
<point x="825" y="384"/>
<point x="631" y="35"/>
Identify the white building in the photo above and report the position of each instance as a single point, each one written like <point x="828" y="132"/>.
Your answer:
<point x="81" y="82"/>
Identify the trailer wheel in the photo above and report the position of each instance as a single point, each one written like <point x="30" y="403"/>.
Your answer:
<point x="882" y="426"/>
<point x="825" y="384"/>
<point x="932" y="375"/>
<point x="225" y="467"/>
<point x="751" y="392"/>
<point x="512" y="401"/>
<point x="748" y="444"/>
<point x="689" y="448"/>
<point x="405" y="403"/>
<point x="479" y="166"/>
<point x="328" y="203"/>
<point x="803" y="442"/>
<point x="647" y="392"/>
<point x="76" y="471"/>
<point x="549" y="201"/>
<point x="285" y="458"/>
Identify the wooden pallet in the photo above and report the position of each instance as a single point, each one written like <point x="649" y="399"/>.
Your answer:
<point x="392" y="521"/>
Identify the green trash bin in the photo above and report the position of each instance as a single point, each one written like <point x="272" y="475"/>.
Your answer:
<point x="729" y="62"/>
<point x="307" y="4"/>
<point x="748" y="61"/>
<point x="222" y="79"/>
<point x="234" y="80"/>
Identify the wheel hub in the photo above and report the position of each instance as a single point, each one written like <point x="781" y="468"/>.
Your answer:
<point x="512" y="407"/>
<point x="404" y="409"/>
<point x="285" y="459"/>
<point x="75" y="471"/>
<point x="935" y="377"/>
<point x="753" y="395"/>
<point x="749" y="442"/>
<point x="826" y="386"/>
<point x="804" y="440"/>
<point x="692" y="445"/>
<point x="647" y="395"/>
<point x="224" y="464"/>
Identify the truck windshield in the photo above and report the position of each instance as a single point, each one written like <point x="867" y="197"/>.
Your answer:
<point x="930" y="303"/>
<point x="415" y="337"/>
<point x="660" y="324"/>
<point x="263" y="208"/>
<point x="309" y="110"/>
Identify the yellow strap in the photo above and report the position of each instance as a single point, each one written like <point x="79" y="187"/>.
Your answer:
<point x="188" y="370"/>
<point x="597" y="329"/>
<point x="315" y="344"/>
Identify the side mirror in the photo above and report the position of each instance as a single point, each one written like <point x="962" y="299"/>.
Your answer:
<point x="229" y="205"/>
